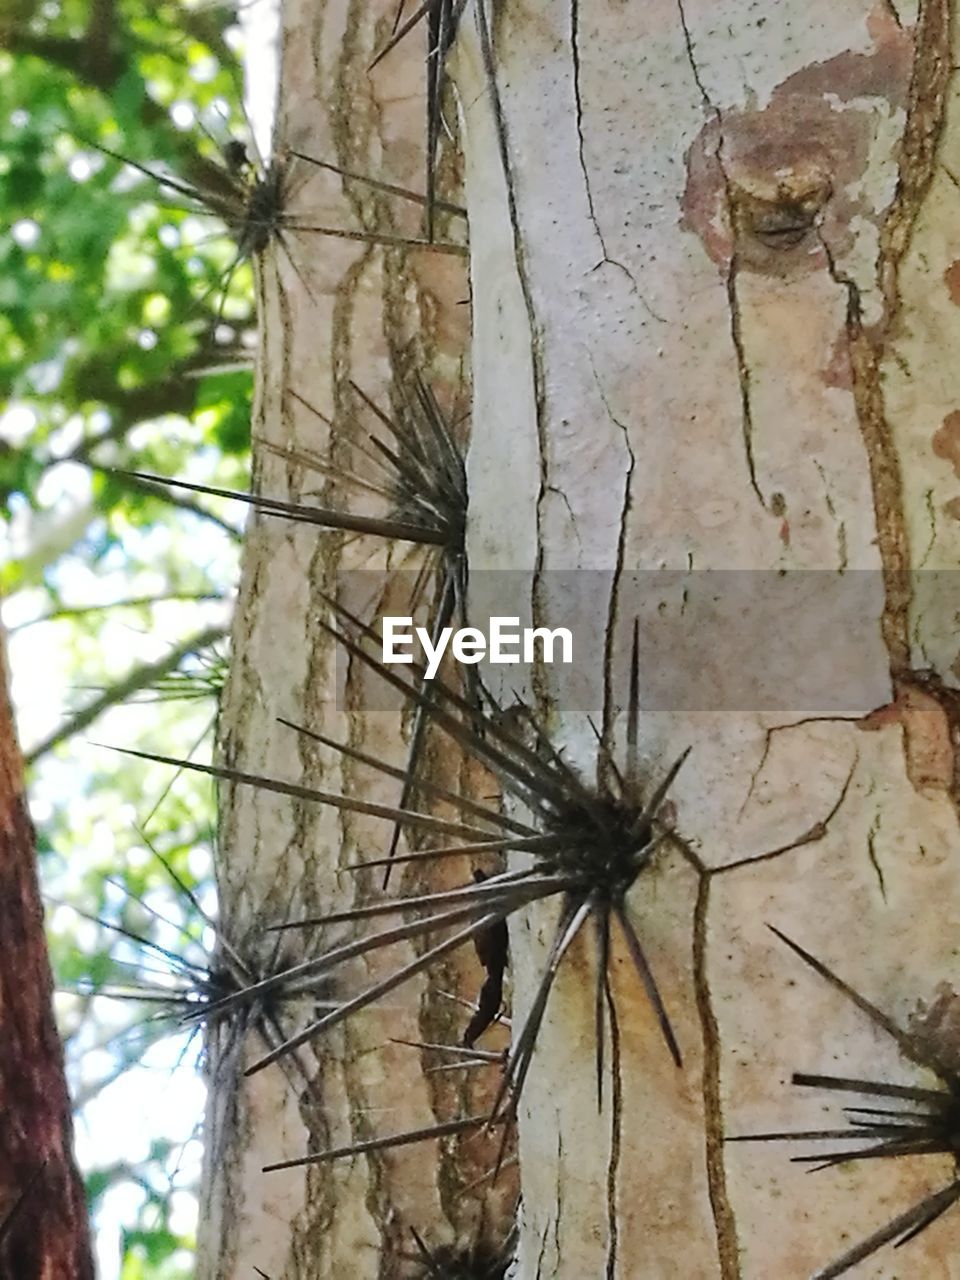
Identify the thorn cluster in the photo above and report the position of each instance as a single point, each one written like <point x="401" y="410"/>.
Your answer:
<point x="588" y="845"/>
<point x="895" y="1120"/>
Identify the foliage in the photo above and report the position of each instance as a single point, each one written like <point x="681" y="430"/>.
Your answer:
<point x="118" y="351"/>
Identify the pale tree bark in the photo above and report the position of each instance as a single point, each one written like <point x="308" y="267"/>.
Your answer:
<point x="714" y="280"/>
<point x="333" y="312"/>
<point x="44" y="1233"/>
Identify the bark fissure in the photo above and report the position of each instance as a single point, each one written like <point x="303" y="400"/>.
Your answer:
<point x="871" y="346"/>
<point x="812" y="835"/>
<point x="575" y="53"/>
<point x="581" y="144"/>
<point x="743" y="366"/>
<point x="866" y="359"/>
<point x="728" y="1250"/>
<point x="872" y="855"/>
<point x="616" y="1135"/>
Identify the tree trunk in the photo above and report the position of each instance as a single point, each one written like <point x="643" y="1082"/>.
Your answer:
<point x="43" y="1213"/>
<point x="714" y="291"/>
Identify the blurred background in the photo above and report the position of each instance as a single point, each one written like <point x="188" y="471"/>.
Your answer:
<point x="127" y="338"/>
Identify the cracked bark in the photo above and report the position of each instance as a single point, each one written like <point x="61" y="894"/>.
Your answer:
<point x="702" y="150"/>
<point x="773" y="203"/>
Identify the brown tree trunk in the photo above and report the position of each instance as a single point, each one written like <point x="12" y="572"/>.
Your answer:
<point x="43" y="1215"/>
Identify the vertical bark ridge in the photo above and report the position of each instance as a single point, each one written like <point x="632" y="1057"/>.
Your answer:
<point x="723" y="1216"/>
<point x="870" y="345"/>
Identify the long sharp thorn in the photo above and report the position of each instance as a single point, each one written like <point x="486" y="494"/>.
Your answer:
<point x="574" y="782"/>
<point x="147" y="943"/>
<point x="882" y="1150"/>
<point x="649" y="983"/>
<point x="930" y="1213"/>
<point x="455" y="1050"/>
<point x="225" y="774"/>
<point x="380" y="238"/>
<point x="399" y="34"/>
<point x="508" y="769"/>
<point x="904" y="1226"/>
<point x="529" y="768"/>
<point x="474" y="807"/>
<point x="191" y="897"/>
<point x="843" y="1084"/>
<point x="889" y="1113"/>
<point x="906" y="1044"/>
<point x="446" y="1130"/>
<point x="609" y="760"/>
<point x="378" y="184"/>
<point x="299" y="513"/>
<point x="300" y="977"/>
<point x="532" y="843"/>
<point x="156" y="175"/>
<point x="395" y="979"/>
<point x="652" y="808"/>
<point x="795" y="1135"/>
<point x="505" y="886"/>
<point x="521" y="1057"/>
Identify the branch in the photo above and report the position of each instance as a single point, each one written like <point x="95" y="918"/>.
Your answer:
<point x="139" y="678"/>
<point x="135" y="602"/>
<point x="100" y="69"/>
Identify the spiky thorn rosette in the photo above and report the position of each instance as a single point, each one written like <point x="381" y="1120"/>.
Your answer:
<point x="251" y="197"/>
<point x="442" y="20"/>
<point x="588" y="844"/>
<point x="420" y="478"/>
<point x="895" y="1120"/>
<point x="184" y="985"/>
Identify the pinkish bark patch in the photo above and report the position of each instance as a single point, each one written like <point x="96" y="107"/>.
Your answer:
<point x="837" y="372"/>
<point x="776" y="186"/>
